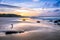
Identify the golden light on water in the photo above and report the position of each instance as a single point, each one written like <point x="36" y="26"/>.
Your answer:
<point x="25" y="18"/>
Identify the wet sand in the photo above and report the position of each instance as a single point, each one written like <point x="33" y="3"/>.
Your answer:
<point x="34" y="31"/>
<point x="34" y="35"/>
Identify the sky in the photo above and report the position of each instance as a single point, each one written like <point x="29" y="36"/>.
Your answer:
<point x="35" y="7"/>
<point x="33" y="3"/>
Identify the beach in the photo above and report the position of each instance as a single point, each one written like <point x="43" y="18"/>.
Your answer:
<point x="32" y="30"/>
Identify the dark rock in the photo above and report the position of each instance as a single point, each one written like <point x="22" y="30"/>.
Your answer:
<point x="57" y="22"/>
<point x="13" y="32"/>
<point x="23" y="19"/>
<point x="38" y="21"/>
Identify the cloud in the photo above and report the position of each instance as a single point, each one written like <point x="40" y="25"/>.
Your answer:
<point x="35" y="11"/>
<point x="35" y="0"/>
<point x="51" y="13"/>
<point x="40" y="12"/>
<point x="57" y="10"/>
<point x="7" y="8"/>
<point x="28" y="5"/>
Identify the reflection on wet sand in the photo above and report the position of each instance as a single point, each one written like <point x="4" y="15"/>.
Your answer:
<point x="33" y="31"/>
<point x="35" y="35"/>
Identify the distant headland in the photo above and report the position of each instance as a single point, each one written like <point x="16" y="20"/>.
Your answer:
<point x="9" y="15"/>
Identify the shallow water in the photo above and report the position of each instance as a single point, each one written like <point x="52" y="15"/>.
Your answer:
<point x="33" y="31"/>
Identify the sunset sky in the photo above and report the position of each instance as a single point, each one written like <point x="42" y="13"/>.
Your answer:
<point x="32" y="7"/>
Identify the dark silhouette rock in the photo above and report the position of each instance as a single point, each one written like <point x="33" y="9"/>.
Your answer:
<point x="13" y="32"/>
<point x="38" y="21"/>
<point x="57" y="22"/>
<point x="23" y="19"/>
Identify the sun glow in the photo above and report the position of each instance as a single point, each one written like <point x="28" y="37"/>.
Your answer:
<point x="27" y="12"/>
<point x="22" y="10"/>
